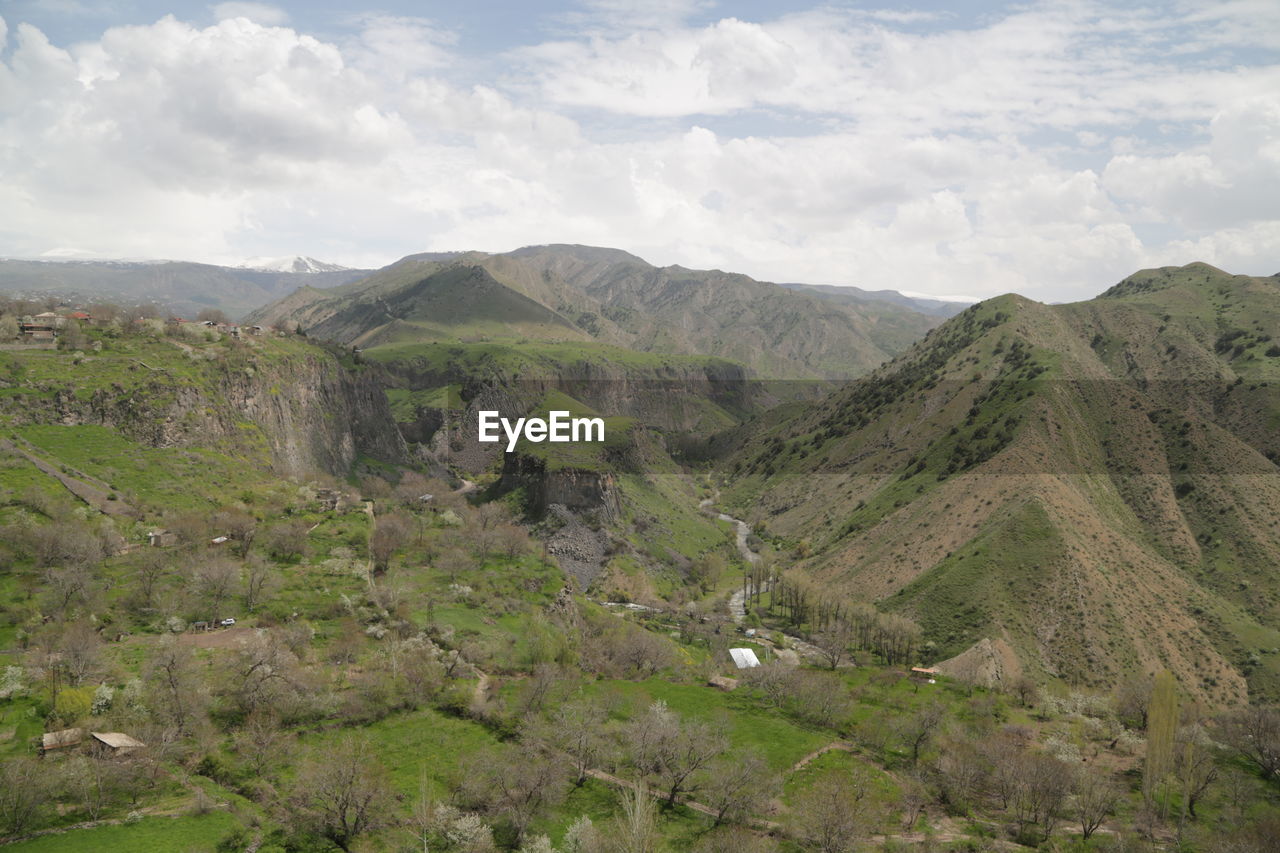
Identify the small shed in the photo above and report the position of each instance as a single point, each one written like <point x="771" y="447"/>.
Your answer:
<point x="744" y="658"/>
<point x="161" y="539"/>
<point x="117" y="743"/>
<point x="64" y="739"/>
<point x="926" y="674"/>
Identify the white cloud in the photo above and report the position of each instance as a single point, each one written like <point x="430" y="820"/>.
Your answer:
<point x="1231" y="181"/>
<point x="824" y="146"/>
<point x="259" y="13"/>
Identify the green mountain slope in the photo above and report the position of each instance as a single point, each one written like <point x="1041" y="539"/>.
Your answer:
<point x="1089" y="483"/>
<point x="611" y="297"/>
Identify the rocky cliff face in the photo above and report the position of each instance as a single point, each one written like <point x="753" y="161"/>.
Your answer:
<point x="697" y="399"/>
<point x="306" y="413"/>
<point x="575" y="489"/>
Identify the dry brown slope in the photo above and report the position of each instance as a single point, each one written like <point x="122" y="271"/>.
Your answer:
<point x="1021" y="473"/>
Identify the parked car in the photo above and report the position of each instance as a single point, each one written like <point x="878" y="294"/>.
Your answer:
<point x="227" y="623"/>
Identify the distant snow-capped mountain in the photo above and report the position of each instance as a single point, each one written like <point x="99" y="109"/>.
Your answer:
<point x="297" y="263"/>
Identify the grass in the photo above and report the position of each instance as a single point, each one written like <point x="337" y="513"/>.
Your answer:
<point x="181" y="478"/>
<point x="779" y="741"/>
<point x="422" y="746"/>
<point x="182" y="834"/>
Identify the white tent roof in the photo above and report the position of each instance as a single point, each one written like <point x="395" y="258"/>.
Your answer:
<point x="744" y="658"/>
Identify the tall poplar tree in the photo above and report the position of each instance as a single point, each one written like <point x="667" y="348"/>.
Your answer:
<point x="1162" y="729"/>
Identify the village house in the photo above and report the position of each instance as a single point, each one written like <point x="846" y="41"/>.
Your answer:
<point x="927" y="674"/>
<point x="64" y="739"/>
<point x="333" y="500"/>
<point x="37" y="332"/>
<point x="161" y="539"/>
<point x="115" y="743"/>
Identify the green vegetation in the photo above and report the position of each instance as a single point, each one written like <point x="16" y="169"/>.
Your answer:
<point x="406" y="672"/>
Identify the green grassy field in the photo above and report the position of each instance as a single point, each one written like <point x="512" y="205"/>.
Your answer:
<point x="180" y="834"/>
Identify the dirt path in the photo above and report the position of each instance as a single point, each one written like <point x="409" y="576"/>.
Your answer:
<point x="835" y="745"/>
<point x="83" y="486"/>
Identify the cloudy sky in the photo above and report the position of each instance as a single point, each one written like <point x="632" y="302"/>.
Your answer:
<point x="948" y="149"/>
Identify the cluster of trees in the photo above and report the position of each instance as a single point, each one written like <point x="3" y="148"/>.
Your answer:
<point x="839" y="627"/>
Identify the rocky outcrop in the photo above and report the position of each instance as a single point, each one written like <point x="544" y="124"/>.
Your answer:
<point x="305" y="413"/>
<point x="672" y="398"/>
<point x="575" y="489"/>
<point x="987" y="663"/>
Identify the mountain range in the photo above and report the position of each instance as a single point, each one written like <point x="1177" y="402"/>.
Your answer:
<point x="1084" y="491"/>
<point x="181" y="287"/>
<point x="586" y="294"/>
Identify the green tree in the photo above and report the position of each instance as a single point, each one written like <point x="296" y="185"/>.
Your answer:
<point x="1162" y="730"/>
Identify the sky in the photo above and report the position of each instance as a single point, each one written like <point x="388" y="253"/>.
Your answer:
<point x="959" y="150"/>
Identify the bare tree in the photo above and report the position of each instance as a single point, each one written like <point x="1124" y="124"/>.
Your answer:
<point x="520" y="787"/>
<point x="214" y="582"/>
<point x="94" y="782"/>
<point x="340" y="793"/>
<point x="575" y="729"/>
<point x="1042" y="786"/>
<point x="135" y="314"/>
<point x="1025" y="688"/>
<point x="152" y="566"/>
<point x="70" y="544"/>
<point x="669" y="750"/>
<point x="259" y="576"/>
<point x="81" y="650"/>
<point x="262" y="672"/>
<point x="176" y="692"/>
<point x="104" y="312"/>
<point x="1095" y="799"/>
<point x="263" y="742"/>
<point x="1254" y="732"/>
<point x="1132" y="700"/>
<point x="637" y="826"/>
<point x="963" y="773"/>
<point x="916" y="730"/>
<point x="1194" y="765"/>
<point x="286" y="540"/>
<point x="512" y="540"/>
<point x="455" y="562"/>
<point x="834" y="642"/>
<point x="390" y="535"/>
<point x="737" y="785"/>
<point x="240" y="526"/>
<point x="66" y="586"/>
<point x="836" y="813"/>
<point x="24" y="790"/>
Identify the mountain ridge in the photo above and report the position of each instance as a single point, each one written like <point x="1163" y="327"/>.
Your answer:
<point x="1092" y="481"/>
<point x="615" y="298"/>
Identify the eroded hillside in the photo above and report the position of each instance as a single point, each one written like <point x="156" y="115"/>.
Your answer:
<point x="1089" y="483"/>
